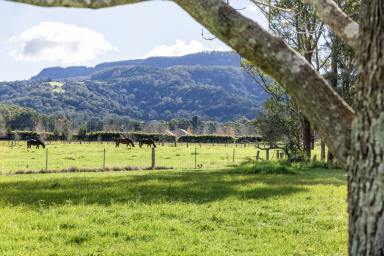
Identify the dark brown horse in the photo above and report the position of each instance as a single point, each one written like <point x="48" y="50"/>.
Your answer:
<point x="148" y="142"/>
<point x="127" y="141"/>
<point x="36" y="143"/>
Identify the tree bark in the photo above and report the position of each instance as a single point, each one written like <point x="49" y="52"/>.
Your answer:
<point x="366" y="161"/>
<point x="307" y="138"/>
<point x="307" y="133"/>
<point x="340" y="23"/>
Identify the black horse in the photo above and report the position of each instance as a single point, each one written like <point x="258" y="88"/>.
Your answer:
<point x="148" y="142"/>
<point x="127" y="141"/>
<point x="36" y="143"/>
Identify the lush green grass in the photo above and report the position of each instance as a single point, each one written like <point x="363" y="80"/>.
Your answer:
<point x="249" y="210"/>
<point x="63" y="156"/>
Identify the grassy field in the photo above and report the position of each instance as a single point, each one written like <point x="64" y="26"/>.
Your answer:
<point x="64" y="156"/>
<point x="265" y="209"/>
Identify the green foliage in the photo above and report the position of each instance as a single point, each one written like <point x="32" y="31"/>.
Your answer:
<point x="206" y="139"/>
<point x="18" y="118"/>
<point x="111" y="136"/>
<point x="82" y="134"/>
<point x="26" y="135"/>
<point x="248" y="139"/>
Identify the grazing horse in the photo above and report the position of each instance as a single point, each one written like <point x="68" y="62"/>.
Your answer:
<point x="149" y="142"/>
<point x="127" y="141"/>
<point x="36" y="143"/>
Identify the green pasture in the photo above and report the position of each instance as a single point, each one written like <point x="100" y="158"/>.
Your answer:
<point x="63" y="156"/>
<point x="262" y="209"/>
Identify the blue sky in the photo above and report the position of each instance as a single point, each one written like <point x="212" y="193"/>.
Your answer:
<point x="34" y="37"/>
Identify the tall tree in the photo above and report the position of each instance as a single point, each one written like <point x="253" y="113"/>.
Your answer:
<point x="356" y="139"/>
<point x="299" y="26"/>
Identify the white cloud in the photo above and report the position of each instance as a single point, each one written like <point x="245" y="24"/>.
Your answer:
<point x="59" y="42"/>
<point x="180" y="48"/>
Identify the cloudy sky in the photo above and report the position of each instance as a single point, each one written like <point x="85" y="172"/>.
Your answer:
<point x="34" y="38"/>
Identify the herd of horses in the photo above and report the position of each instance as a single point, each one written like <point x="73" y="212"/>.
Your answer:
<point x="127" y="141"/>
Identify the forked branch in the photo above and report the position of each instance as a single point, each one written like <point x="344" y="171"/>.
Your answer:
<point x="340" y="23"/>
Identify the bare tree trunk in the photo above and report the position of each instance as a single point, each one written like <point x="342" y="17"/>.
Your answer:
<point x="307" y="138"/>
<point x="322" y="152"/>
<point x="366" y="161"/>
<point x="307" y="133"/>
<point x="333" y="75"/>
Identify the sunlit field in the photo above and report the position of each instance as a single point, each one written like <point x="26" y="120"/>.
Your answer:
<point x="63" y="156"/>
<point x="262" y="209"/>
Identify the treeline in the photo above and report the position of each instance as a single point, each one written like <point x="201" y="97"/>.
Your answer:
<point x="136" y="136"/>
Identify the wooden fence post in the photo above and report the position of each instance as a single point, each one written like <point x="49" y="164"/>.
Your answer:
<point x="153" y="158"/>
<point x="267" y="154"/>
<point x="104" y="160"/>
<point x="46" y="159"/>
<point x="195" y="158"/>
<point x="233" y="156"/>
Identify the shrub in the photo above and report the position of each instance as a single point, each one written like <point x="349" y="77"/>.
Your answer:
<point x="249" y="139"/>
<point x="206" y="139"/>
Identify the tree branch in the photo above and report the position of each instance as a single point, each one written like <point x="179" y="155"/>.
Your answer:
<point x="256" y="2"/>
<point x="340" y="23"/>
<point x="326" y="110"/>
<point x="93" y="4"/>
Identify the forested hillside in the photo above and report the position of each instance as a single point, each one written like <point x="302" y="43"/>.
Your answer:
<point x="156" y="89"/>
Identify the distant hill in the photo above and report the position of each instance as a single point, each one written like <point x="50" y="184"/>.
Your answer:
<point x="209" y="85"/>
<point x="197" y="59"/>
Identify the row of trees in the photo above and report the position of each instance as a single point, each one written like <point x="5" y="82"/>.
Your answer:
<point x="61" y="126"/>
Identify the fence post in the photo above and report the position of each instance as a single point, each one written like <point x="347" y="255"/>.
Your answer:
<point x="195" y="158"/>
<point x="267" y="154"/>
<point x="233" y="156"/>
<point x="153" y="158"/>
<point x="104" y="159"/>
<point x="46" y="159"/>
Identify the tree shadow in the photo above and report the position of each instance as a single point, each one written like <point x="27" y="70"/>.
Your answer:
<point x="168" y="186"/>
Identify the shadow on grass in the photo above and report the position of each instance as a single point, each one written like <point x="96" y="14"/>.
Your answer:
<point x="168" y="186"/>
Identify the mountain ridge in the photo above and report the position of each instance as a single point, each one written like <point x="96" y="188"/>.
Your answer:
<point x="159" y="88"/>
<point x="214" y="58"/>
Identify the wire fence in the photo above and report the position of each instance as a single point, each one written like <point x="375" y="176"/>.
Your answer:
<point x="15" y="157"/>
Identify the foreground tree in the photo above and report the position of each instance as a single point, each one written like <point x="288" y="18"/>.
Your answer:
<point x="357" y="140"/>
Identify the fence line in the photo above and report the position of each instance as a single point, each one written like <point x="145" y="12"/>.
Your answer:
<point x="58" y="155"/>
